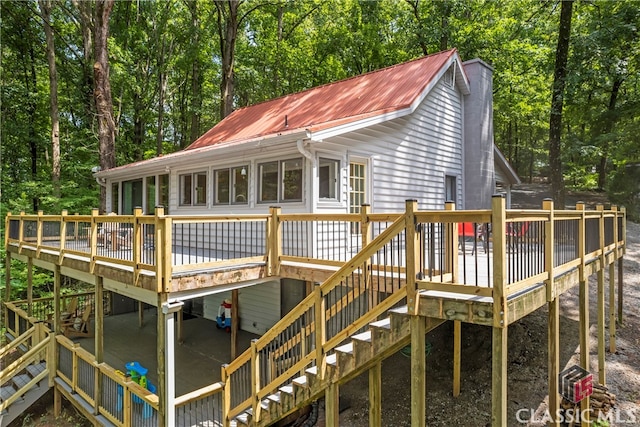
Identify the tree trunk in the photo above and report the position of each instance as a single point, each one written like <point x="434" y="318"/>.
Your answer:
<point x="102" y="93"/>
<point x="86" y="26"/>
<point x="607" y="126"/>
<point x="557" y="99"/>
<point x="227" y="32"/>
<point x="45" y="7"/>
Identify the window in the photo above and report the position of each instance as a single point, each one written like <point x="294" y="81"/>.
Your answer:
<point x="193" y="189"/>
<point x="280" y="181"/>
<point x="151" y="195"/>
<point x="356" y="186"/>
<point x="163" y="194"/>
<point x="449" y="76"/>
<point x="329" y="176"/>
<point x="115" y="196"/>
<point x="231" y="186"/>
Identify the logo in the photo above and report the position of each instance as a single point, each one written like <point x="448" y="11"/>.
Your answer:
<point x="575" y="384"/>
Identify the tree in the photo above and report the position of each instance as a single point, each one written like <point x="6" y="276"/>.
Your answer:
<point x="102" y="92"/>
<point x="557" y="98"/>
<point x="45" y="13"/>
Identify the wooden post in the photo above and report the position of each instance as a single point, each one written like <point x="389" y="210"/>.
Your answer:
<point x="94" y="239"/>
<point x="418" y="371"/>
<point x="274" y="240"/>
<point x="180" y="316"/>
<point x="56" y="299"/>
<point x="612" y="283"/>
<point x="255" y="382"/>
<point x="140" y="314"/>
<point x="375" y="395"/>
<point x="235" y="320"/>
<point x="320" y="330"/>
<point x="499" y="339"/>
<point x="365" y="231"/>
<point x="7" y="278"/>
<point x="601" y="311"/>
<point x="412" y="262"/>
<point x="332" y="405"/>
<point x="63" y="234"/>
<point x="457" y="341"/>
<point x="98" y="339"/>
<point x="553" y="321"/>
<point x="451" y="246"/>
<point x="21" y="232"/>
<point x="99" y="319"/>
<point x="136" y="243"/>
<point x="39" y="228"/>
<point x="30" y="286"/>
<point x="612" y="310"/>
<point x="623" y="234"/>
<point x="584" y="308"/>
<point x="226" y="396"/>
<point x="161" y="347"/>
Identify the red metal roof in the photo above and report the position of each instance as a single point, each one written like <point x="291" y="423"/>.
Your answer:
<point x="367" y="95"/>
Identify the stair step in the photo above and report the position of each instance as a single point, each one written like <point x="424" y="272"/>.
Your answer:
<point x="35" y="369"/>
<point x="332" y="359"/>
<point x="400" y="318"/>
<point x="384" y="323"/>
<point x="243" y="418"/>
<point x="362" y="348"/>
<point x="275" y="397"/>
<point x="287" y="389"/>
<point x="364" y="336"/>
<point x="346" y="360"/>
<point x="6" y="392"/>
<point x="346" y="349"/>
<point x="300" y="381"/>
<point x="21" y="380"/>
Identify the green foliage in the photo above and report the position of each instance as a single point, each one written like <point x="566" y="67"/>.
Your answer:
<point x="172" y="48"/>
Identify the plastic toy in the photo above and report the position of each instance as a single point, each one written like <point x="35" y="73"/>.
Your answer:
<point x="223" y="320"/>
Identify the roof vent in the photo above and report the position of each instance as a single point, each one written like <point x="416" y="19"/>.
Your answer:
<point x="286" y="121"/>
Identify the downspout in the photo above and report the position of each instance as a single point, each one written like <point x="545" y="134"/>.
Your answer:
<point x="306" y="153"/>
<point x="101" y="182"/>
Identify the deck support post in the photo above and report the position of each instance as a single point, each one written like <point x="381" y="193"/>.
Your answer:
<point x="332" y="405"/>
<point x="166" y="360"/>
<point x="56" y="299"/>
<point x="98" y="340"/>
<point x="553" y="359"/>
<point x="612" y="310"/>
<point x="499" y="334"/>
<point x="457" y="344"/>
<point x="418" y="372"/>
<point x="499" y="377"/>
<point x="375" y="395"/>
<point x="620" y="285"/>
<point x="140" y="314"/>
<point x="600" y="306"/>
<point x="235" y="319"/>
<point x="585" y="403"/>
<point x="413" y="250"/>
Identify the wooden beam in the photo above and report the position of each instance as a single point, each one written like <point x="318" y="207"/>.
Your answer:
<point x="585" y="404"/>
<point x="99" y="319"/>
<point x="375" y="395"/>
<point x="553" y="358"/>
<point x="412" y="255"/>
<point x="612" y="310"/>
<point x="30" y="286"/>
<point x="620" y="286"/>
<point x="332" y="405"/>
<point x="457" y="341"/>
<point x="57" y="280"/>
<point x="140" y="314"/>
<point x="418" y="372"/>
<point x="235" y="320"/>
<point x="7" y="275"/>
<point x="600" y="328"/>
<point x="499" y="378"/>
<point x="161" y="348"/>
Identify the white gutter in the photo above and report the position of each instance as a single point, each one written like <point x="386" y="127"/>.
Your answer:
<point x="306" y="153"/>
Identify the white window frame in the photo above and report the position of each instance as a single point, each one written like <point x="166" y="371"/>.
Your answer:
<point x="193" y="201"/>
<point x="333" y="174"/>
<point x="235" y="198"/>
<point x="280" y="181"/>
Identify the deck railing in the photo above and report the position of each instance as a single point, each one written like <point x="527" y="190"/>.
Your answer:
<point x="381" y="261"/>
<point x="111" y="394"/>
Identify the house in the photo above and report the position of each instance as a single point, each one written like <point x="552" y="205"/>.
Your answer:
<point x="419" y="130"/>
<point x="292" y="210"/>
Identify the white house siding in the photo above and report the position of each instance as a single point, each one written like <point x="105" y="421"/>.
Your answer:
<point x="411" y="155"/>
<point x="259" y="306"/>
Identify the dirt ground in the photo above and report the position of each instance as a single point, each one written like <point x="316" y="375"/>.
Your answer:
<point x="527" y="358"/>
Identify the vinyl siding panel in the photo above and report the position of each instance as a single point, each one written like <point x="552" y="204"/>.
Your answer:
<point x="259" y="306"/>
<point x="411" y="155"/>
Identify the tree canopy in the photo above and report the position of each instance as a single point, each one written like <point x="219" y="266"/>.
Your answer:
<point x="176" y="67"/>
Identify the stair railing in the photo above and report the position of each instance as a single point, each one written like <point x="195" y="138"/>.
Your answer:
<point x="344" y="304"/>
<point x="38" y="352"/>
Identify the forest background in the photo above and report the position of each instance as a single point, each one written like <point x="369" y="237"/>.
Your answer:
<point x="88" y="83"/>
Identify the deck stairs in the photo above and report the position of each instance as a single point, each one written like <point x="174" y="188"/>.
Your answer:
<point x="363" y="350"/>
<point x="25" y="380"/>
